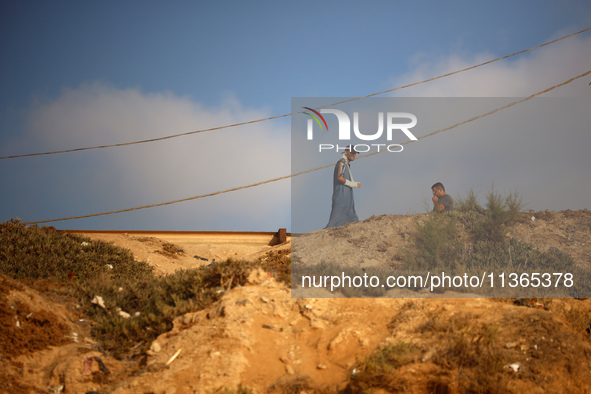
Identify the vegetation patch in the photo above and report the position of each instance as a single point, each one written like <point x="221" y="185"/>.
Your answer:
<point x="472" y="240"/>
<point x="129" y="304"/>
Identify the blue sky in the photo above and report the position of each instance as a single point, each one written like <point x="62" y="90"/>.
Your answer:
<point x="85" y="74"/>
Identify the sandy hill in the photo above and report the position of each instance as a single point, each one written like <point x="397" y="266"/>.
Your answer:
<point x="258" y="338"/>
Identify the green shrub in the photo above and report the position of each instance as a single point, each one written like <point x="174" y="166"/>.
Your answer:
<point x="501" y="212"/>
<point x="31" y="252"/>
<point x="159" y="301"/>
<point x="469" y="203"/>
<point x="436" y="243"/>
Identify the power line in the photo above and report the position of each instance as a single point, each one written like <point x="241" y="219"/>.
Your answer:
<point x="293" y="113"/>
<point x="317" y="168"/>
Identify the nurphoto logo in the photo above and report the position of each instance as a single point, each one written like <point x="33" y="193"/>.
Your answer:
<point x="394" y="122"/>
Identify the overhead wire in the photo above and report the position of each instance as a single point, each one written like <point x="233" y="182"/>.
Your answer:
<point x="293" y="113"/>
<point x="317" y="168"/>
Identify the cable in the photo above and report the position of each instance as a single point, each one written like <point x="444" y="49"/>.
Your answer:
<point x="293" y="113"/>
<point x="317" y="168"/>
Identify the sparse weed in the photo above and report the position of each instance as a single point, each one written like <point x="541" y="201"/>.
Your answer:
<point x="579" y="321"/>
<point x="239" y="390"/>
<point x="474" y="350"/>
<point x="437" y="326"/>
<point x="295" y="384"/>
<point x="380" y="369"/>
<point x="390" y="357"/>
<point x="459" y="343"/>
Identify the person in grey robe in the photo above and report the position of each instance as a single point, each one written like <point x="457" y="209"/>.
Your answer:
<point x="343" y="205"/>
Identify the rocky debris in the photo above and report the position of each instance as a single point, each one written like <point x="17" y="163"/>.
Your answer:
<point x="60" y="356"/>
<point x="260" y="321"/>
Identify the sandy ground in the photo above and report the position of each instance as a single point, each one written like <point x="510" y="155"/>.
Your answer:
<point x="168" y="252"/>
<point x="258" y="336"/>
<point x="379" y="240"/>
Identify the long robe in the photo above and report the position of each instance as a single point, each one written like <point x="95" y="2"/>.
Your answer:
<point x="343" y="205"/>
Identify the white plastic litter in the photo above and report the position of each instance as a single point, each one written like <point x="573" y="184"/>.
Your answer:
<point x="98" y="300"/>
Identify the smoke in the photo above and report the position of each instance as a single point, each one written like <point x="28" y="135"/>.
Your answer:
<point x="122" y="177"/>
